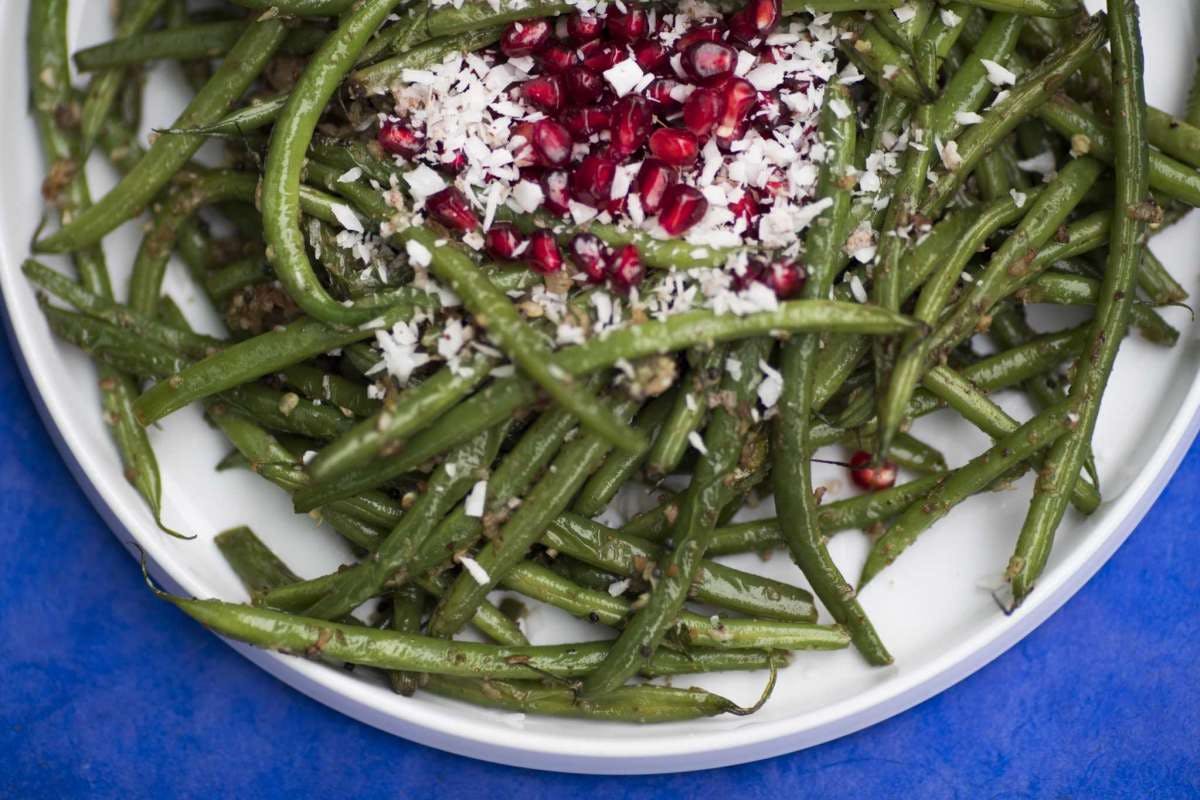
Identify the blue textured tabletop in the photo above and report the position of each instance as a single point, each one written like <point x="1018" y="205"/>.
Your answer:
<point x="107" y="692"/>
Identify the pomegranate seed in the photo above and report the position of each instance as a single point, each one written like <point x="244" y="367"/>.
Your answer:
<point x="769" y="55"/>
<point x="552" y="142"/>
<point x="739" y="96"/>
<point x="725" y="143"/>
<point x="503" y="242"/>
<point x="675" y="146"/>
<point x="746" y="206"/>
<point x="766" y="113"/>
<point x="454" y="162"/>
<point x="786" y="278"/>
<point x="590" y="255"/>
<point x="556" y="59"/>
<point x="631" y="121"/>
<point x="709" y="63"/>
<point x="650" y="55"/>
<point x="752" y="273"/>
<point x="871" y="477"/>
<point x="682" y="207"/>
<point x="592" y="180"/>
<point x="599" y="56"/>
<point x="625" y="269"/>
<point x="701" y="111"/>
<point x="659" y="95"/>
<point x="398" y="139"/>
<point x="524" y="38"/>
<point x="544" y="255"/>
<point x="617" y="206"/>
<point x="755" y="21"/>
<point x="653" y="180"/>
<point x="544" y="92"/>
<point x="627" y="26"/>
<point x="583" y="87"/>
<point x="704" y="33"/>
<point x="583" y="28"/>
<point x="556" y="193"/>
<point x="584" y="122"/>
<point x="450" y="208"/>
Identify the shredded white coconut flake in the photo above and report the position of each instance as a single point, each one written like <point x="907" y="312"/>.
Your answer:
<point x="347" y="218"/>
<point x="997" y="73"/>
<point x="350" y="175"/>
<point x="475" y="570"/>
<point x="857" y="289"/>
<point x="623" y="76"/>
<point x="1043" y="163"/>
<point x="474" y="504"/>
<point x="905" y="13"/>
<point x="418" y="253"/>
<point x="618" y="588"/>
<point x="967" y="117"/>
<point x="771" y="387"/>
<point x="695" y="440"/>
<point x="1019" y="198"/>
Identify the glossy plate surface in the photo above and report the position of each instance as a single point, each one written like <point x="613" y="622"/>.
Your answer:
<point x="934" y="607"/>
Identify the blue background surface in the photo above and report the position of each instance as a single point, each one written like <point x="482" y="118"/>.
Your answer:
<point x="108" y="692"/>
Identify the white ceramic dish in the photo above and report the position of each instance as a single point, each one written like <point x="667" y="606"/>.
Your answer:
<point x="933" y="607"/>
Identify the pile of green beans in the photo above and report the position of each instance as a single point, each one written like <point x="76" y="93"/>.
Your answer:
<point x="505" y="469"/>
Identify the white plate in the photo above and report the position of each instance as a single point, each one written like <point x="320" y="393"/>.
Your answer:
<point x="933" y="607"/>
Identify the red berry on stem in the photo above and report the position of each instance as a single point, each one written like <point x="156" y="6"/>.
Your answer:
<point x="738" y="96"/>
<point x="650" y="55"/>
<point x="503" y="241"/>
<point x="675" y="146"/>
<point x="582" y="86"/>
<point x="625" y="269"/>
<point x="556" y="192"/>
<point x="590" y="255"/>
<point x="709" y="63"/>
<point x="543" y="92"/>
<point x="556" y="59"/>
<point x="653" y="180"/>
<point x="682" y="207"/>
<point x="869" y="476"/>
<point x="552" y="142"/>
<point x="544" y="255"/>
<point x="701" y="111"/>
<point x="583" y="28"/>
<point x="592" y="180"/>
<point x="786" y="278"/>
<point x="398" y="139"/>
<point x="599" y="56"/>
<point x="627" y="26"/>
<point x="450" y="208"/>
<point x="525" y="38"/>
<point x="584" y="122"/>
<point x="631" y="124"/>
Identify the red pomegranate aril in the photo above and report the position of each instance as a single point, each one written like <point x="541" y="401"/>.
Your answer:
<point x="544" y="255"/>
<point x="701" y="111"/>
<point x="704" y="33"/>
<point x="556" y="59"/>
<point x="755" y="21"/>
<point x="739" y="96"/>
<point x="709" y="63"/>
<point x="590" y="255"/>
<point x="399" y="139"/>
<point x="521" y="144"/>
<point x="525" y="38"/>
<point x="599" y="56"/>
<point x="625" y="269"/>
<point x="752" y="273"/>
<point x="631" y="123"/>
<point x="746" y="206"/>
<point x="582" y="28"/>
<point x="768" y="55"/>
<point x="653" y="180"/>
<point x="552" y="142"/>
<point x="682" y="207"/>
<point x="556" y="191"/>
<point x="450" y="208"/>
<point x="543" y="92"/>
<point x="627" y="26"/>
<point x="725" y="143"/>
<point x="503" y="242"/>
<point x="674" y="146"/>
<point x="455" y="162"/>
<point x="870" y="476"/>
<point x="659" y="95"/>
<point x="592" y="180"/>
<point x="786" y="278"/>
<point x="650" y="55"/>
<point x="584" y="122"/>
<point x="582" y="86"/>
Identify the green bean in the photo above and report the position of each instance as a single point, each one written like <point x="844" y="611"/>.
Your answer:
<point x="187" y="42"/>
<point x="1157" y="283"/>
<point x="1014" y="261"/>
<point x="573" y="464"/>
<point x="169" y="153"/>
<point x="349" y="397"/>
<point x="1032" y="91"/>
<point x="259" y="569"/>
<point x="382" y="76"/>
<point x="260" y="113"/>
<point x="714" y="584"/>
<point x="888" y="67"/>
<point x="299" y="8"/>
<point x="825" y="6"/>
<point x="475" y="14"/>
<point x="620" y="466"/>
<point x="1035" y="435"/>
<point x="688" y="413"/>
<point x="285" y="161"/>
<point x="112" y="345"/>
<point x="450" y="482"/>
<point x="286" y="411"/>
<point x="400" y="36"/>
<point x="706" y="496"/>
<point x="408" y="603"/>
<point x="1036" y="8"/>
<point x="104" y="86"/>
<point x="223" y="283"/>
<point x="494" y="312"/>
<point x="1063" y="289"/>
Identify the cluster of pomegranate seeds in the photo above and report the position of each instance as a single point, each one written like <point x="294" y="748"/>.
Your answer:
<point x="868" y="475"/>
<point x="678" y="123"/>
